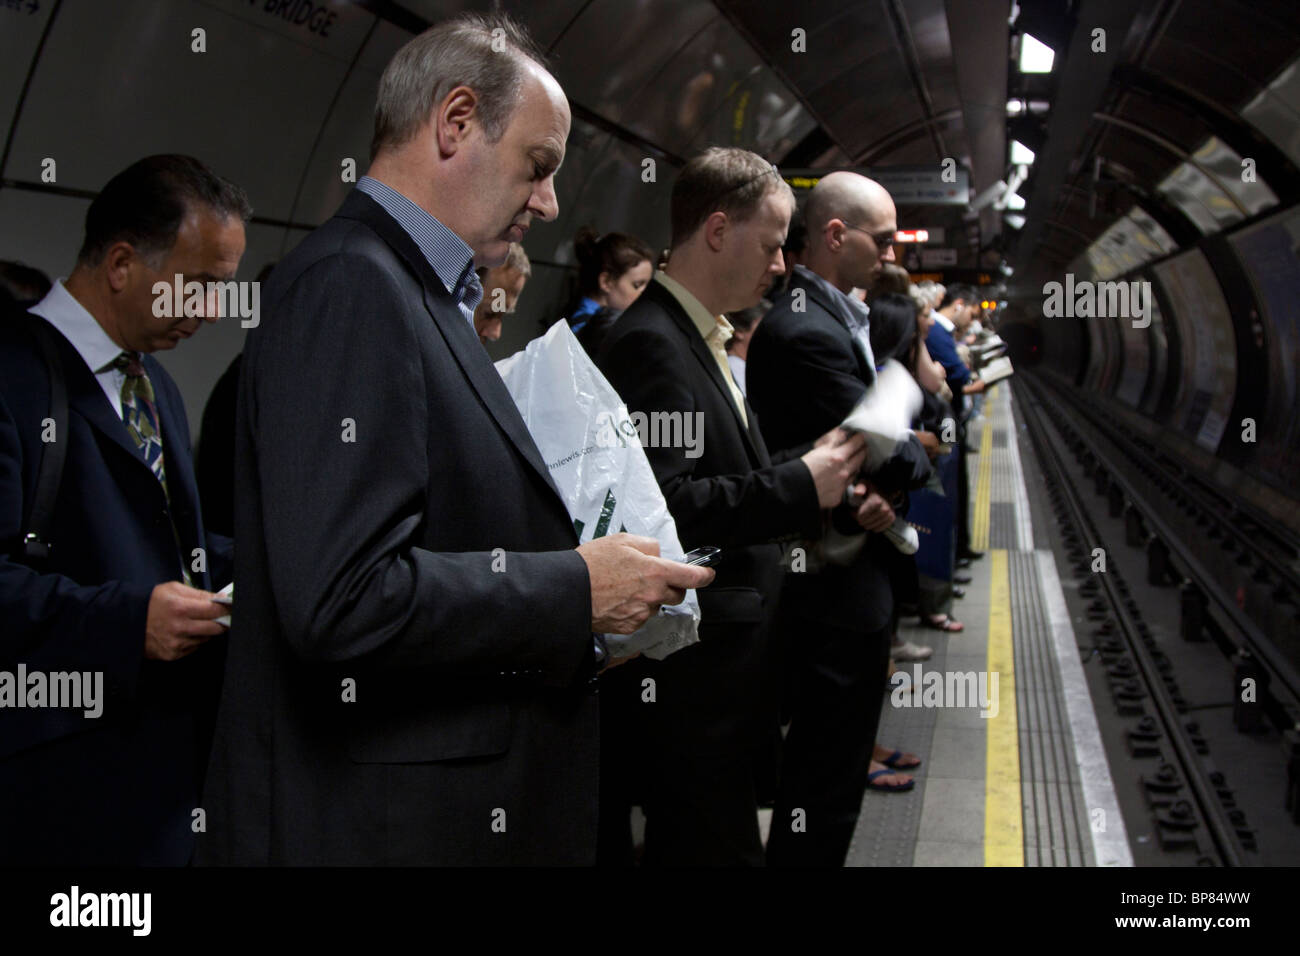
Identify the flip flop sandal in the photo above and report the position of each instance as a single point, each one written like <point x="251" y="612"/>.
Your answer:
<point x="947" y="625"/>
<point x="871" y="782"/>
<point x="895" y="759"/>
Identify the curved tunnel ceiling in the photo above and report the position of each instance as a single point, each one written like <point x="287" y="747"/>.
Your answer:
<point x="1136" y="154"/>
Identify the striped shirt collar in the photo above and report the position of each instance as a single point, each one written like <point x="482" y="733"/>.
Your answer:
<point x="446" y="252"/>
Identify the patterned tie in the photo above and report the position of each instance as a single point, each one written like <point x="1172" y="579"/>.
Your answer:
<point x="140" y="415"/>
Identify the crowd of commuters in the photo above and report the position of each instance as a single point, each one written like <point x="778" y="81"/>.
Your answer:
<point x="391" y="694"/>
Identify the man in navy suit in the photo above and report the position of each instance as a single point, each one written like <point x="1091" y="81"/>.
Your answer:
<point x="954" y="316"/>
<point x="123" y="598"/>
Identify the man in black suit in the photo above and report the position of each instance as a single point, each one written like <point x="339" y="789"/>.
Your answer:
<point x="693" y="757"/>
<point x="410" y="678"/>
<point x="809" y="364"/>
<point x="123" y="597"/>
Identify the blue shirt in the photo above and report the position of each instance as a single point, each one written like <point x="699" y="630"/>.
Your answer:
<point x="585" y="310"/>
<point x="447" y="252"/>
<point x="939" y="343"/>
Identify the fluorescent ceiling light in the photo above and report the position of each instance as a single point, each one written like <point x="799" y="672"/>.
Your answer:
<point x="1035" y="55"/>
<point x="1014" y="221"/>
<point x="1015" y="107"/>
<point x="1015" y="201"/>
<point x="1021" y="155"/>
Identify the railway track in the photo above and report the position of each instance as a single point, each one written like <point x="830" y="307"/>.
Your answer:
<point x="1193" y="809"/>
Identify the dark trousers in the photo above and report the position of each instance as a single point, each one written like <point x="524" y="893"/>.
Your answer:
<point x="687" y="757"/>
<point x="963" y="500"/>
<point x="837" y="688"/>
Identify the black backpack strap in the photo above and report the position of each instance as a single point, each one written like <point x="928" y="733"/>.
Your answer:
<point x="36" y="536"/>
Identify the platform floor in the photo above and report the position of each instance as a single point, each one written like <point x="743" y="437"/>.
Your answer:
<point x="1028" y="784"/>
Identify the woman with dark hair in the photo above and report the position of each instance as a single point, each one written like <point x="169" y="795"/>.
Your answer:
<point x="21" y="285"/>
<point x="613" y="270"/>
<point x="894" y="335"/>
<point x="893" y="329"/>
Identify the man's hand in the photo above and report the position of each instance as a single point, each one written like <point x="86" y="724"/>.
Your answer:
<point x="930" y="442"/>
<point x="629" y="581"/>
<point x="833" y="465"/>
<point x="180" y="620"/>
<point x="974" y="387"/>
<point x="875" y="514"/>
<point x="833" y="437"/>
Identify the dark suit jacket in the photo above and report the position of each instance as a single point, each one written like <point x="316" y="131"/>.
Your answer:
<point x="409" y="667"/>
<point x="214" y="460"/>
<point x="804" y="376"/>
<point x="731" y="496"/>
<point x="118" y="789"/>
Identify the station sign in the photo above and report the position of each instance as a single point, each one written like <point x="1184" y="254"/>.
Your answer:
<point x="930" y="185"/>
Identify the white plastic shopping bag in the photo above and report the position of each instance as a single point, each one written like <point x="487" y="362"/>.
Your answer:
<point x="595" y="458"/>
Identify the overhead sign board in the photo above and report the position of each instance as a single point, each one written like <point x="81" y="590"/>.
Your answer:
<point x="934" y="258"/>
<point x="933" y="185"/>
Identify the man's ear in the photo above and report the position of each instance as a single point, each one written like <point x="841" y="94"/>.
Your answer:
<point x="455" y="116"/>
<point x="834" y="234"/>
<point x="715" y="230"/>
<point x="120" y="258"/>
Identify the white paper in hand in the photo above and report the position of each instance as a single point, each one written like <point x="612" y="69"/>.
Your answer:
<point x="594" y="455"/>
<point x="225" y="596"/>
<point x="885" y="413"/>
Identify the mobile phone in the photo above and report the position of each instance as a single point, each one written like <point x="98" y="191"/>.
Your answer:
<point x="702" y="557"/>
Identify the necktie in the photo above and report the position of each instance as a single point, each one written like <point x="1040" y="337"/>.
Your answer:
<point x="716" y="340"/>
<point x="140" y="415"/>
<point x="469" y="292"/>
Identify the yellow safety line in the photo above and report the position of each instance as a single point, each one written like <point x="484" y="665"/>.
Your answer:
<point x="1004" y="838"/>
<point x="979" y="532"/>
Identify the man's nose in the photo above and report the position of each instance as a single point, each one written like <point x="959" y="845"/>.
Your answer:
<point x="888" y="255"/>
<point x="543" y="203"/>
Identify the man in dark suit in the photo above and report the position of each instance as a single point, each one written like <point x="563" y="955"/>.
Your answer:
<point x="123" y="597"/>
<point x="810" y="363"/>
<point x="693" y="757"/>
<point x="411" y="666"/>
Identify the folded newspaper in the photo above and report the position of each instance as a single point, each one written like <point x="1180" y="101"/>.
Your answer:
<point x="997" y="370"/>
<point x="594" y="455"/>
<point x="884" y="416"/>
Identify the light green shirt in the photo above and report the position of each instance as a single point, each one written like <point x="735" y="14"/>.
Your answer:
<point x="714" y="329"/>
